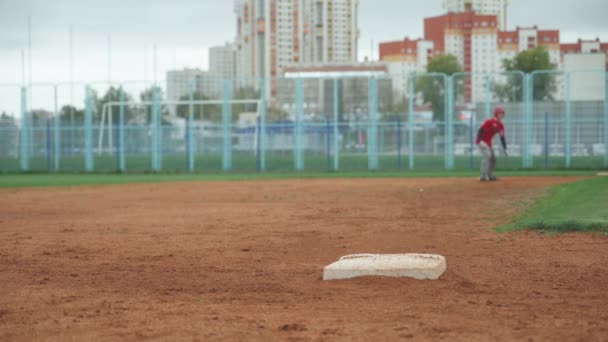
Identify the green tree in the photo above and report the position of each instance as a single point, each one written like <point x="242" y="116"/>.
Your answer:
<point x="432" y="88"/>
<point x="147" y="95"/>
<point x="205" y="111"/>
<point x="527" y="61"/>
<point x="9" y="135"/>
<point x="114" y="95"/>
<point x="245" y="93"/>
<point x="7" y="120"/>
<point x="213" y="112"/>
<point x="69" y="113"/>
<point x="274" y="114"/>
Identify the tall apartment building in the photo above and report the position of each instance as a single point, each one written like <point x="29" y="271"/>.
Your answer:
<point x="472" y="38"/>
<point x="585" y="47"/>
<point x="511" y="43"/>
<point x="179" y="83"/>
<point x="222" y="61"/>
<point x="272" y="34"/>
<point x="480" y="46"/>
<point x="332" y="35"/>
<point x="404" y="57"/>
<point x="487" y="7"/>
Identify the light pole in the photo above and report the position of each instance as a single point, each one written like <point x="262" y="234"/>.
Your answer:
<point x="403" y="69"/>
<point x="109" y="59"/>
<point x="29" y="55"/>
<point x="110" y="119"/>
<point x="145" y="64"/>
<point x="154" y="64"/>
<point x="71" y="71"/>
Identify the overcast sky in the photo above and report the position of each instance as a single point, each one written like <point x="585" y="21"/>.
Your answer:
<point x="184" y="29"/>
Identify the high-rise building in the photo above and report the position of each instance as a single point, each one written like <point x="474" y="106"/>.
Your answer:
<point x="406" y="56"/>
<point x="179" y="83"/>
<point x="272" y="34"/>
<point x="222" y="62"/>
<point x="487" y="7"/>
<point x="479" y="45"/>
<point x="511" y="43"/>
<point x="472" y="38"/>
<point x="585" y="47"/>
<point x="332" y="31"/>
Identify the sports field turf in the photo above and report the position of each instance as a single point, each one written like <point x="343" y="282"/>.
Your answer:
<point x="74" y="179"/>
<point x="579" y="206"/>
<point x="284" y="162"/>
<point x="226" y="260"/>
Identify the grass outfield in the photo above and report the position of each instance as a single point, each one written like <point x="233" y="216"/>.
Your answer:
<point x="575" y="207"/>
<point x="74" y="179"/>
<point x="277" y="162"/>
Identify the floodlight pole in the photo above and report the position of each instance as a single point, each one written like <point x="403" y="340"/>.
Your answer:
<point x="155" y="65"/>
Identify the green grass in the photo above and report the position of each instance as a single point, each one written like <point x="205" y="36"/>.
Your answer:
<point x="575" y="207"/>
<point x="75" y="179"/>
<point x="283" y="162"/>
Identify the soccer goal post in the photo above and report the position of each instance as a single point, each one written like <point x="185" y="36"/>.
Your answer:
<point x="115" y="142"/>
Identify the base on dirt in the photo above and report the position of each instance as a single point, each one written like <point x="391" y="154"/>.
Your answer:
<point x="417" y="266"/>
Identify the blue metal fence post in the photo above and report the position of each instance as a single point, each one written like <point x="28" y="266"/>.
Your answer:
<point x="24" y="157"/>
<point x="227" y="126"/>
<point x="606" y="123"/>
<point x="156" y="166"/>
<point x="117" y="145"/>
<point x="262" y="128"/>
<point x="48" y="145"/>
<point x="88" y="131"/>
<point x="398" y="142"/>
<point x="372" y="129"/>
<point x="528" y="99"/>
<point x="189" y="123"/>
<point x="427" y="139"/>
<point x="411" y="122"/>
<point x="449" y="116"/>
<point x="298" y="157"/>
<point x="57" y="130"/>
<point x="187" y="144"/>
<point x="471" y="141"/>
<point x="336" y="127"/>
<point x="328" y="143"/>
<point x="546" y="144"/>
<point x="258" y="164"/>
<point x="121" y="130"/>
<point x="153" y="134"/>
<point x="488" y="97"/>
<point x="568" y="151"/>
<point x="160" y="128"/>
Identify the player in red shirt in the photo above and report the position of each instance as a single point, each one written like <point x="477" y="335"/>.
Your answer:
<point x="487" y="131"/>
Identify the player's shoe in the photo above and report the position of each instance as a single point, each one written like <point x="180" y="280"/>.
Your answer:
<point x="484" y="179"/>
<point x="493" y="179"/>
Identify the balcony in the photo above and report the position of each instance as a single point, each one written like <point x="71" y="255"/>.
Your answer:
<point x="260" y="26"/>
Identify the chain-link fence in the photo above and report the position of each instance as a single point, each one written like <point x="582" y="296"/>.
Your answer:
<point x="413" y="122"/>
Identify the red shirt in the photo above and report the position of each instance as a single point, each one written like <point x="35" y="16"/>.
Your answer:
<point x="489" y="128"/>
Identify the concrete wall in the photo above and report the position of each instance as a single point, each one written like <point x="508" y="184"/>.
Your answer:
<point x="586" y="86"/>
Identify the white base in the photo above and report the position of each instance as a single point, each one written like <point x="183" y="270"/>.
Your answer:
<point x="603" y="174"/>
<point x="417" y="266"/>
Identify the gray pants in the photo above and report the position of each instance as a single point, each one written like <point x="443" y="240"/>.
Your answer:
<point x="488" y="161"/>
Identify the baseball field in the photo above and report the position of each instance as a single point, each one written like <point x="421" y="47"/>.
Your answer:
<point x="190" y="257"/>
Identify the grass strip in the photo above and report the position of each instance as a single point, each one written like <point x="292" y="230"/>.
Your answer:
<point x="581" y="206"/>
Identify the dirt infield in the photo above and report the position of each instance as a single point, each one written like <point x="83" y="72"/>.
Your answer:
<point x="243" y="261"/>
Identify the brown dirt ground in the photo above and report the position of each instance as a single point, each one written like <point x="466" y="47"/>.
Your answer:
<point x="243" y="261"/>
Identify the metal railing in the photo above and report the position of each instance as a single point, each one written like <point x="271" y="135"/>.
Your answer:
<point x="283" y="124"/>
